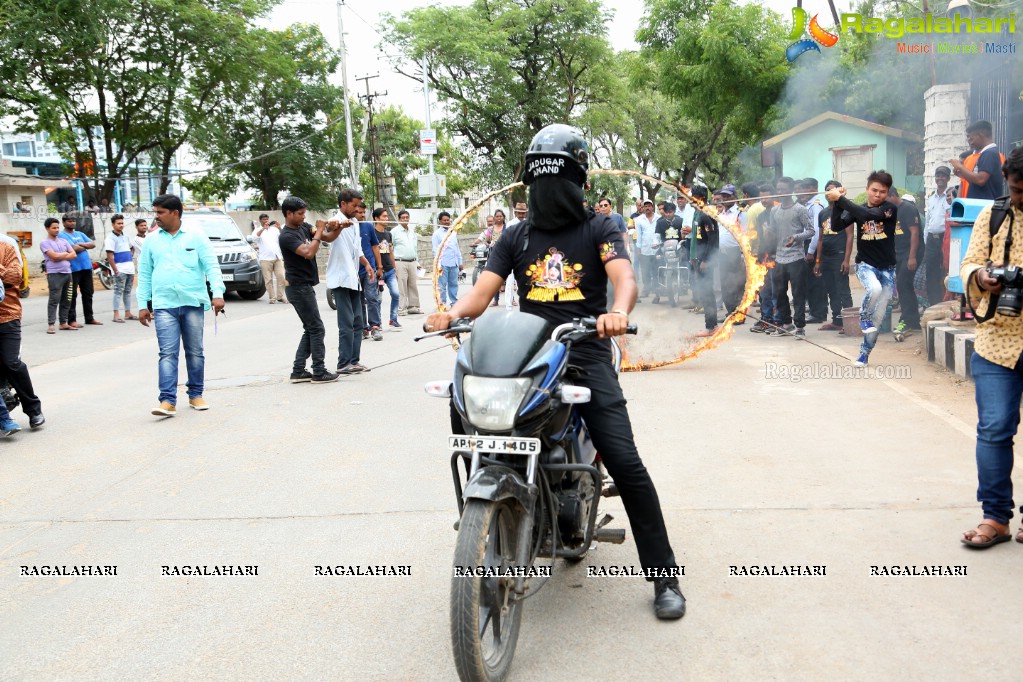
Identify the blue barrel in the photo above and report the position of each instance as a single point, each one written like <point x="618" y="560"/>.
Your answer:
<point x="961" y="219"/>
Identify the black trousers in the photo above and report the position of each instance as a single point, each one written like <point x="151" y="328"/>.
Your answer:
<point x="836" y="285"/>
<point x="935" y="270"/>
<point x="14" y="370"/>
<point x="907" y="295"/>
<point x="793" y="274"/>
<point x="704" y="292"/>
<point x="611" y="430"/>
<point x="81" y="281"/>
<point x="816" y="294"/>
<point x="303" y="301"/>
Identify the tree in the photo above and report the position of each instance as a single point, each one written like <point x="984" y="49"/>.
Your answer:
<point x="122" y="79"/>
<point x="283" y="113"/>
<point x="723" y="65"/>
<point x="211" y="187"/>
<point x="505" y="69"/>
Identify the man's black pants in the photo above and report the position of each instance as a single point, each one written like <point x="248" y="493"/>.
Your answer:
<point x="704" y="293"/>
<point x="16" y="371"/>
<point x="733" y="277"/>
<point x="81" y="280"/>
<point x="935" y="269"/>
<point x="816" y="294"/>
<point x="836" y="285"/>
<point x="793" y="273"/>
<point x="611" y="430"/>
<point x="303" y="301"/>
<point x="907" y="295"/>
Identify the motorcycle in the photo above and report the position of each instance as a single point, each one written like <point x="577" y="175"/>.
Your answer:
<point x="533" y="477"/>
<point x="105" y="272"/>
<point x="672" y="272"/>
<point x="480" y="253"/>
<point x="10" y="397"/>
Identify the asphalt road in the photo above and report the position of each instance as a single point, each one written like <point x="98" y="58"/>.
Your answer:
<point x="752" y="469"/>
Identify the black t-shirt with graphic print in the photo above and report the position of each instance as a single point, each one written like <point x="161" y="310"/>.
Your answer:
<point x="561" y="273"/>
<point x="991" y="162"/>
<point x="907" y="215"/>
<point x="875" y="231"/>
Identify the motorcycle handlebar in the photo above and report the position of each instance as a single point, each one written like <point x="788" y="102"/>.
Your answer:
<point x="461" y="325"/>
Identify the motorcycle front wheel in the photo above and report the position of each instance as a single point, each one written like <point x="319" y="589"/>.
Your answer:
<point x="476" y="274"/>
<point x="106" y="279"/>
<point x="485" y="613"/>
<point x="330" y="299"/>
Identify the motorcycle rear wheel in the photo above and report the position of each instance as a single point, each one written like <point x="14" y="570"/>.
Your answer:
<point x="485" y="615"/>
<point x="106" y="279"/>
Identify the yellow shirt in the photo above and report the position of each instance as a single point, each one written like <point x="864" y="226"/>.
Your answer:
<point x="1000" y="339"/>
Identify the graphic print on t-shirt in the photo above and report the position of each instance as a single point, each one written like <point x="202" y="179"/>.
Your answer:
<point x="607" y="252"/>
<point x="826" y="227"/>
<point x="873" y="230"/>
<point x="554" y="278"/>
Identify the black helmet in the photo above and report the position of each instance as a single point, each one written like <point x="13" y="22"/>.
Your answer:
<point x="559" y="150"/>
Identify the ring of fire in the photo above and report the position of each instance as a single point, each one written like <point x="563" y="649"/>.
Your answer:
<point x="755" y="272"/>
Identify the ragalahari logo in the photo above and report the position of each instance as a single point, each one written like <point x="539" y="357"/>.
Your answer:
<point x="818" y="36"/>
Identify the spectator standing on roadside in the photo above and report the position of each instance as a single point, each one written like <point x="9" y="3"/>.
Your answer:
<point x="141" y="229"/>
<point x="345" y="282"/>
<point x="907" y="243"/>
<point x="704" y="250"/>
<point x="12" y="368"/>
<point x="937" y="209"/>
<point x="833" y="256"/>
<point x="370" y="293"/>
<point x="178" y="271"/>
<point x="731" y="263"/>
<point x="646" y="235"/>
<point x="790" y="225"/>
<point x="81" y="271"/>
<point x="390" y="279"/>
<point x="299" y="243"/>
<point x="271" y="258"/>
<point x="58" y="255"/>
<point x="118" y="253"/>
<point x="406" y="261"/>
<point x="448" y="262"/>
<point x="816" y="295"/>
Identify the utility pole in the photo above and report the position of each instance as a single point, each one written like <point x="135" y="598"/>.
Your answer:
<point x="426" y="96"/>
<point x="344" y="82"/>
<point x="380" y="193"/>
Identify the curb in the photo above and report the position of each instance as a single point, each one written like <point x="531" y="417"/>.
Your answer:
<point x="949" y="346"/>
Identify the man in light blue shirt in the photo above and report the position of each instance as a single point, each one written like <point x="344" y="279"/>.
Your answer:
<point x="646" y="245"/>
<point x="174" y="267"/>
<point x="344" y="264"/>
<point x="449" y="262"/>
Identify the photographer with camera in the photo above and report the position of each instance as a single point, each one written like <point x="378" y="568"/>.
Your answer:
<point x="991" y="270"/>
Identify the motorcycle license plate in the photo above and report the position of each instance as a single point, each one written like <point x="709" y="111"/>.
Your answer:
<point x="495" y="445"/>
<point x="227" y="278"/>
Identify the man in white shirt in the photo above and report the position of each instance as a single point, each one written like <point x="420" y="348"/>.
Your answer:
<point x="731" y="265"/>
<point x="118" y="249"/>
<point x="271" y="261"/>
<point x="937" y="209"/>
<point x="646" y="243"/>
<point x="344" y="282"/>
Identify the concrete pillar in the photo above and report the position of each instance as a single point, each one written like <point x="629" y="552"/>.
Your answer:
<point x="946" y="115"/>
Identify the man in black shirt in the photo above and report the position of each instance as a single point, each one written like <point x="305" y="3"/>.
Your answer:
<point x="562" y="257"/>
<point x="380" y="222"/>
<point x="668" y="227"/>
<point x="300" y="243"/>
<point x="875" y="251"/>
<point x="984" y="174"/>
<point x="907" y="247"/>
<point x="705" y="251"/>
<point x="834" y="249"/>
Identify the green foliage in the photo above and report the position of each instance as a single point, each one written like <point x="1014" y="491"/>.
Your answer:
<point x="211" y="187"/>
<point x="136" y="71"/>
<point x="505" y="69"/>
<point x="283" y="112"/>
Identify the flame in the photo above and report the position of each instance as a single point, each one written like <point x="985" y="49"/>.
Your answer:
<point x="755" y="272"/>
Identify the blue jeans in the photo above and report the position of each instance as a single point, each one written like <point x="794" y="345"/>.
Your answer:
<point x="176" y="327"/>
<point x="878" y="283"/>
<point x="349" y="325"/>
<point x="391" y="280"/>
<point x="122" y="291"/>
<point x="370" y="302"/>
<point x="998" y="391"/>
<point x="768" y="308"/>
<point x="449" y="284"/>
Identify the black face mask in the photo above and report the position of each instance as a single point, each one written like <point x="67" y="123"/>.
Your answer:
<point x="556" y="203"/>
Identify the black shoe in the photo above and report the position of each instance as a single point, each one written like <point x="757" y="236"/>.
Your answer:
<point x="669" y="604"/>
<point x="36" y="420"/>
<point x="814" y="320"/>
<point x="325" y="378"/>
<point x="300" y="377"/>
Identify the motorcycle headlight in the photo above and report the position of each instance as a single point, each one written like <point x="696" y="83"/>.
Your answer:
<point x="492" y="404"/>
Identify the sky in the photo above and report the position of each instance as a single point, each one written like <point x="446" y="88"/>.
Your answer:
<point x="361" y="19"/>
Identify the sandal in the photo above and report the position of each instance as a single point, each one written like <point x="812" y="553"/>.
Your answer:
<point x="996" y="533"/>
<point x="1019" y="535"/>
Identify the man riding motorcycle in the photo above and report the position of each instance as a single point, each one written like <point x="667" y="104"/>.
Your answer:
<point x="562" y="257"/>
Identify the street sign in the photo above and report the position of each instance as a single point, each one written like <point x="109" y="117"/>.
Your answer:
<point x="428" y="142"/>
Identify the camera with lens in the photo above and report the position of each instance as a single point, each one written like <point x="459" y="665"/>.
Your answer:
<point x="1010" y="300"/>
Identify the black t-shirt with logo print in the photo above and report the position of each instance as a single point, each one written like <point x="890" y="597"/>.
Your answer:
<point x="561" y="273"/>
<point x="875" y="230"/>
<point x="297" y="269"/>
<point x="908" y="215"/>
